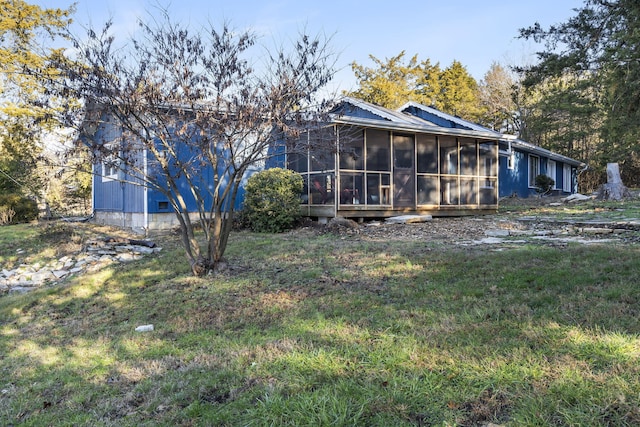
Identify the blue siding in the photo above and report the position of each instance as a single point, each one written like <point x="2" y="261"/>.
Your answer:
<point x="115" y="195"/>
<point x="515" y="180"/>
<point x="125" y="195"/>
<point x="108" y="195"/>
<point x="276" y="155"/>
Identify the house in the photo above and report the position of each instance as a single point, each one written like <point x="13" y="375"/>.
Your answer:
<point x="379" y="162"/>
<point x="120" y="195"/>
<point x="520" y="162"/>
<point x="365" y="162"/>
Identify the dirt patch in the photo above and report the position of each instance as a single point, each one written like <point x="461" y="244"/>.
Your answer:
<point x="533" y="220"/>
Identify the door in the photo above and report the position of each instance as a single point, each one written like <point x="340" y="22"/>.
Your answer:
<point x="404" y="171"/>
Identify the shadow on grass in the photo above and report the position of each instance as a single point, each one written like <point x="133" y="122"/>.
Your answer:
<point x="321" y="331"/>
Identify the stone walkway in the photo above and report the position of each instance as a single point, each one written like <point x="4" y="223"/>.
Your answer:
<point x="95" y="255"/>
<point x="563" y="231"/>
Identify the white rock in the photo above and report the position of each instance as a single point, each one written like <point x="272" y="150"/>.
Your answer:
<point x="408" y="219"/>
<point x="60" y="273"/>
<point x="597" y="230"/>
<point x="143" y="250"/>
<point x="489" y="241"/>
<point x="576" y="198"/>
<point x="144" y="328"/>
<point x="496" y="233"/>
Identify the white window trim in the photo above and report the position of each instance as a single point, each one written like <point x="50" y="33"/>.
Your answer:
<point x="567" y="182"/>
<point x="531" y="178"/>
<point x="552" y="172"/>
<point x="110" y="167"/>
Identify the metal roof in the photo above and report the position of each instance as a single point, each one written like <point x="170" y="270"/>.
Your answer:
<point x="509" y="139"/>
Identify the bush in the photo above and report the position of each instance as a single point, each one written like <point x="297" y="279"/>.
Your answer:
<point x="544" y="184"/>
<point x="15" y="208"/>
<point x="272" y="200"/>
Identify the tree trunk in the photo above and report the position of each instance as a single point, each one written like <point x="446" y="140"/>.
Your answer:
<point x="614" y="189"/>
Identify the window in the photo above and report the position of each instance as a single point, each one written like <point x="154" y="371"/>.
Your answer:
<point x="488" y="156"/>
<point x="321" y="189"/>
<point x="468" y="157"/>
<point x="566" y="179"/>
<point x="321" y="159"/>
<point x="297" y="151"/>
<point x="351" y="149"/>
<point x="428" y="190"/>
<point x="448" y="155"/>
<point x="427" y="154"/>
<point x="351" y="188"/>
<point x="468" y="191"/>
<point x="449" y="194"/>
<point x="297" y="162"/>
<point x="534" y="169"/>
<point x="110" y="163"/>
<point x="378" y="157"/>
<point x="551" y="172"/>
<point x="403" y="151"/>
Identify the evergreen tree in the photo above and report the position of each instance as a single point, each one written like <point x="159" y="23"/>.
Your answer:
<point x="393" y="82"/>
<point x="459" y="94"/>
<point x="599" y="50"/>
<point x="389" y="84"/>
<point x="28" y="76"/>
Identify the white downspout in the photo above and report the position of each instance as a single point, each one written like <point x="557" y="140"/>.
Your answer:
<point x="145" y="217"/>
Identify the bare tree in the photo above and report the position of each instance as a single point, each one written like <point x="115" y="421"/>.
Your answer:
<point x="192" y="105"/>
<point x="496" y="97"/>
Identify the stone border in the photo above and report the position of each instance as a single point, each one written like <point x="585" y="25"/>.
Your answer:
<point x="95" y="255"/>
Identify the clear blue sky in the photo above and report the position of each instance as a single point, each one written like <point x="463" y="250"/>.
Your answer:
<point x="474" y="32"/>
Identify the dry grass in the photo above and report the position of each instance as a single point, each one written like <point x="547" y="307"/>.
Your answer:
<point x="327" y="329"/>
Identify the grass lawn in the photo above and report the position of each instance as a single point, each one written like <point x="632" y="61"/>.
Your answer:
<point x="328" y="330"/>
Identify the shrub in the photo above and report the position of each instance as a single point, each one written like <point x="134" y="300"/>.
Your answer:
<point x="272" y="200"/>
<point x="15" y="208"/>
<point x="544" y="184"/>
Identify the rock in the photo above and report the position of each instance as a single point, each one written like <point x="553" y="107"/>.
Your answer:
<point x="97" y="254"/>
<point x="21" y="289"/>
<point x="596" y="230"/>
<point x="143" y="250"/>
<point x="128" y="257"/>
<point x="497" y="233"/>
<point x="42" y="276"/>
<point x="408" y="219"/>
<point x="576" y="198"/>
<point x="144" y="328"/>
<point x="489" y="241"/>
<point x="60" y="273"/>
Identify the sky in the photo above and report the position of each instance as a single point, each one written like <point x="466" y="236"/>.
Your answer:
<point x="474" y="32"/>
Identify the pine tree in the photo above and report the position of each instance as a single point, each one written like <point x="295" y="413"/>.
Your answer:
<point x="28" y="79"/>
<point x="599" y="49"/>
<point x="459" y="94"/>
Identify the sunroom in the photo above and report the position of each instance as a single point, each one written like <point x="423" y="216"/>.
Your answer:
<point x="374" y="168"/>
